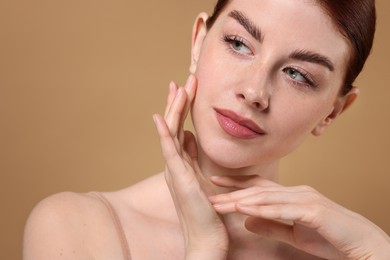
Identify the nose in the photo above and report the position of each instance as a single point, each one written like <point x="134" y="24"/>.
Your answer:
<point x="255" y="95"/>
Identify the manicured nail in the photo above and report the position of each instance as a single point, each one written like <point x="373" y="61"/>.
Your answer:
<point x="215" y="178"/>
<point x="217" y="206"/>
<point x="170" y="87"/>
<point x="155" y="118"/>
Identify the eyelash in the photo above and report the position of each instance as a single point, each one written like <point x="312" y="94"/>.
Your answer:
<point x="309" y="82"/>
<point x="231" y="39"/>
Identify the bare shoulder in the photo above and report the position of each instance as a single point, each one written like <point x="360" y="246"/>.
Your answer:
<point x="68" y="226"/>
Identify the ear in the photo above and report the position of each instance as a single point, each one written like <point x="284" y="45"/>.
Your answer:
<point x="199" y="32"/>
<point x="341" y="104"/>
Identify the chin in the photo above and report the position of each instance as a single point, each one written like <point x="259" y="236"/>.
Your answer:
<point x="228" y="155"/>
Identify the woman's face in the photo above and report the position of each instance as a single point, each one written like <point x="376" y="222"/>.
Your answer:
<point x="269" y="74"/>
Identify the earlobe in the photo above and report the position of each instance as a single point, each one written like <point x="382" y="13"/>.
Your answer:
<point x="341" y="104"/>
<point x="199" y="32"/>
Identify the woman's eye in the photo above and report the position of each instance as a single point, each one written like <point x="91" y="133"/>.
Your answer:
<point x="237" y="44"/>
<point x="240" y="47"/>
<point x="294" y="74"/>
<point x="299" y="77"/>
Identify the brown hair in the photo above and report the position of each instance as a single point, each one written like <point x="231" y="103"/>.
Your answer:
<point x="355" y="20"/>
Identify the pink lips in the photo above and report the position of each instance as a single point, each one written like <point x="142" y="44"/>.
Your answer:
<point x="238" y="126"/>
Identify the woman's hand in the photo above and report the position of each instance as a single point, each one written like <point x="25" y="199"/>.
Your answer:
<point x="302" y="217"/>
<point x="204" y="233"/>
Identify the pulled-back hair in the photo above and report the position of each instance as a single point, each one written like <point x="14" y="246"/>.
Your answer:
<point x="355" y="19"/>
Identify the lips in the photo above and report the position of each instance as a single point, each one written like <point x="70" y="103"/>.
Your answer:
<point x="238" y="126"/>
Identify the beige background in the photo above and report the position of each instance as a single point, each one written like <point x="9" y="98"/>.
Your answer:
<point x="79" y="81"/>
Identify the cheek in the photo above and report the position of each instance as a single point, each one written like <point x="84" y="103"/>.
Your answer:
<point x="215" y="65"/>
<point x="297" y="117"/>
<point x="210" y="79"/>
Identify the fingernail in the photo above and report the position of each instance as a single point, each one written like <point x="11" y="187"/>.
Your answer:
<point x="215" y="178"/>
<point x="170" y="87"/>
<point x="155" y="118"/>
<point x="217" y="206"/>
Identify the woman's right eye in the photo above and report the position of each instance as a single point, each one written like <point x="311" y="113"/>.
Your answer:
<point x="237" y="44"/>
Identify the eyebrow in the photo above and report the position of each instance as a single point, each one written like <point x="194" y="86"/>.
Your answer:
<point x="302" y="55"/>
<point x="312" y="57"/>
<point x="249" y="26"/>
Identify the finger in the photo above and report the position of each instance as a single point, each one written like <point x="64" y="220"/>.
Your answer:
<point x="225" y="208"/>
<point x="226" y="203"/>
<point x="271" y="195"/>
<point x="252" y="197"/>
<point x="281" y="203"/>
<point x="174" y="115"/>
<point x="270" y="228"/>
<point x="181" y="173"/>
<point x="171" y="96"/>
<point x="260" y="194"/>
<point x="233" y="197"/>
<point x="190" y="88"/>
<point x="168" y="147"/>
<point x="242" y="181"/>
<point x="303" y="214"/>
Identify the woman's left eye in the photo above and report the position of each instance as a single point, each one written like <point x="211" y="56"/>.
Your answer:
<point x="294" y="74"/>
<point x="237" y="44"/>
<point x="298" y="76"/>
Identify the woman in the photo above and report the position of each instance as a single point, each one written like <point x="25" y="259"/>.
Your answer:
<point x="265" y="74"/>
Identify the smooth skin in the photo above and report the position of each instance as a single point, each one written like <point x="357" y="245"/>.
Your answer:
<point x="218" y="197"/>
<point x="298" y="216"/>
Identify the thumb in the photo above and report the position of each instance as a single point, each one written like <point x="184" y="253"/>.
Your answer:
<point x="270" y="228"/>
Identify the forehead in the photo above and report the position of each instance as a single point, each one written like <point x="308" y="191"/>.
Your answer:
<point x="297" y="24"/>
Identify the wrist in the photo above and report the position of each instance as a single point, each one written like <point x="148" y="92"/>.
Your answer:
<point x="381" y="252"/>
<point x="380" y="249"/>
